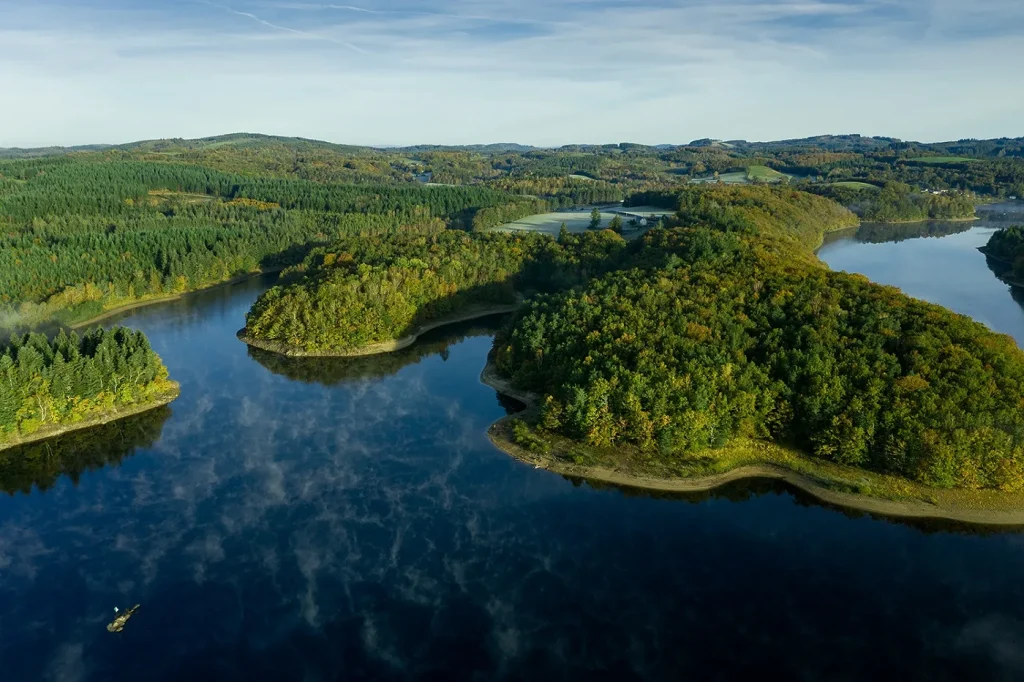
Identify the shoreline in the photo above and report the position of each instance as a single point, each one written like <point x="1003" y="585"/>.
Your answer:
<point x="1002" y="261"/>
<point x="167" y="298"/>
<point x="940" y="506"/>
<point x="927" y="220"/>
<point x="54" y="430"/>
<point x="375" y="348"/>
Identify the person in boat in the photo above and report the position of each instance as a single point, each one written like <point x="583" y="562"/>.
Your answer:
<point x="121" y="617"/>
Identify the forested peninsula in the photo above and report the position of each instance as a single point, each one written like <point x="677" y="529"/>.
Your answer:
<point x="49" y="387"/>
<point x="726" y="344"/>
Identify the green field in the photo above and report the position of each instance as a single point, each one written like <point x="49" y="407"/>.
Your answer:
<point x="550" y="223"/>
<point x="766" y="174"/>
<point x="943" y="159"/>
<point x="853" y="184"/>
<point x="738" y="178"/>
<point x="751" y="174"/>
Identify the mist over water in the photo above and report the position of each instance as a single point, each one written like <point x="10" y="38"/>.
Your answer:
<point x="350" y="520"/>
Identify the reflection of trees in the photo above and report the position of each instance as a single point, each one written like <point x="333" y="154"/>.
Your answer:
<point x="877" y="233"/>
<point x="509" y="404"/>
<point x="1018" y="295"/>
<point x="750" y="488"/>
<point x="332" y="371"/>
<point x="1004" y="271"/>
<point x="41" y="464"/>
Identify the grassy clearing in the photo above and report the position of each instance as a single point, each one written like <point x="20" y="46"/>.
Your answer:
<point x="853" y="184"/>
<point x="745" y="177"/>
<point x="765" y="174"/>
<point x="737" y="178"/>
<point x="943" y="159"/>
<point x="156" y="196"/>
<point x="550" y="223"/>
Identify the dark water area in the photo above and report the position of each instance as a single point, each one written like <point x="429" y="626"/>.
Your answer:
<point x="349" y="520"/>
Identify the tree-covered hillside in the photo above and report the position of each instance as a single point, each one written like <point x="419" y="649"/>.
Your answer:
<point x="712" y="332"/>
<point x="78" y="236"/>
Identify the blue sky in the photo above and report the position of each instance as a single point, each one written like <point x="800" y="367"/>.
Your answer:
<point x="532" y="71"/>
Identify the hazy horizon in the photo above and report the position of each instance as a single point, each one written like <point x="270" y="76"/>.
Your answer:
<point x="387" y="146"/>
<point x="544" y="73"/>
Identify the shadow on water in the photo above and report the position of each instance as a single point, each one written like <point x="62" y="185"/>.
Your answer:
<point x="335" y="371"/>
<point x="40" y="465"/>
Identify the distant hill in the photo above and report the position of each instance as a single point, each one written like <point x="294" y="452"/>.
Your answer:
<point x="20" y="153"/>
<point x="994" y="148"/>
<point x="496" y="148"/>
<point x="177" y="145"/>
<point x="835" y="143"/>
<point x="237" y="140"/>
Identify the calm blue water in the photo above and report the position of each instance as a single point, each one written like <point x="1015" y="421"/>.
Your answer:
<point x="350" y="521"/>
<point x="948" y="270"/>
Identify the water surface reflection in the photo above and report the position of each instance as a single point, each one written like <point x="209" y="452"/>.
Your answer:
<point x="352" y="521"/>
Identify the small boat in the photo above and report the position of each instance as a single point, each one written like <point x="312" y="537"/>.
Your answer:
<point x="122" y="617"/>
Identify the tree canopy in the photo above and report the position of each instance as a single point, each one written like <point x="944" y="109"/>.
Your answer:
<point x="730" y="328"/>
<point x="46" y="383"/>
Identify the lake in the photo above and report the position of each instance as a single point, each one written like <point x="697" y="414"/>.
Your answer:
<point x="349" y="520"/>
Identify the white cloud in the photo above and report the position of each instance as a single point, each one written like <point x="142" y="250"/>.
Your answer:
<point x="530" y="71"/>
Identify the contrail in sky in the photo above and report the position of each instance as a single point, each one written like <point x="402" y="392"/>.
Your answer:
<point x="278" y="27"/>
<point x="366" y="10"/>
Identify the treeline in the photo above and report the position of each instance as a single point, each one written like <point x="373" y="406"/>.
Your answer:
<point x="81" y="235"/>
<point x="713" y="332"/>
<point x="898" y="202"/>
<point x="74" y="266"/>
<point x="1007" y="246"/>
<point x="769" y="212"/>
<point x="562" y="192"/>
<point x="995" y="177"/>
<point x="46" y="383"/>
<point x="87" y="187"/>
<point x="494" y="216"/>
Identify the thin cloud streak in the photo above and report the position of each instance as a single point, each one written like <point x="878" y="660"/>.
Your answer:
<point x="415" y="13"/>
<point x="295" y="31"/>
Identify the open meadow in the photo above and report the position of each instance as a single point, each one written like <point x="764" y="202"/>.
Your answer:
<point x="743" y="177"/>
<point x="550" y="223"/>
